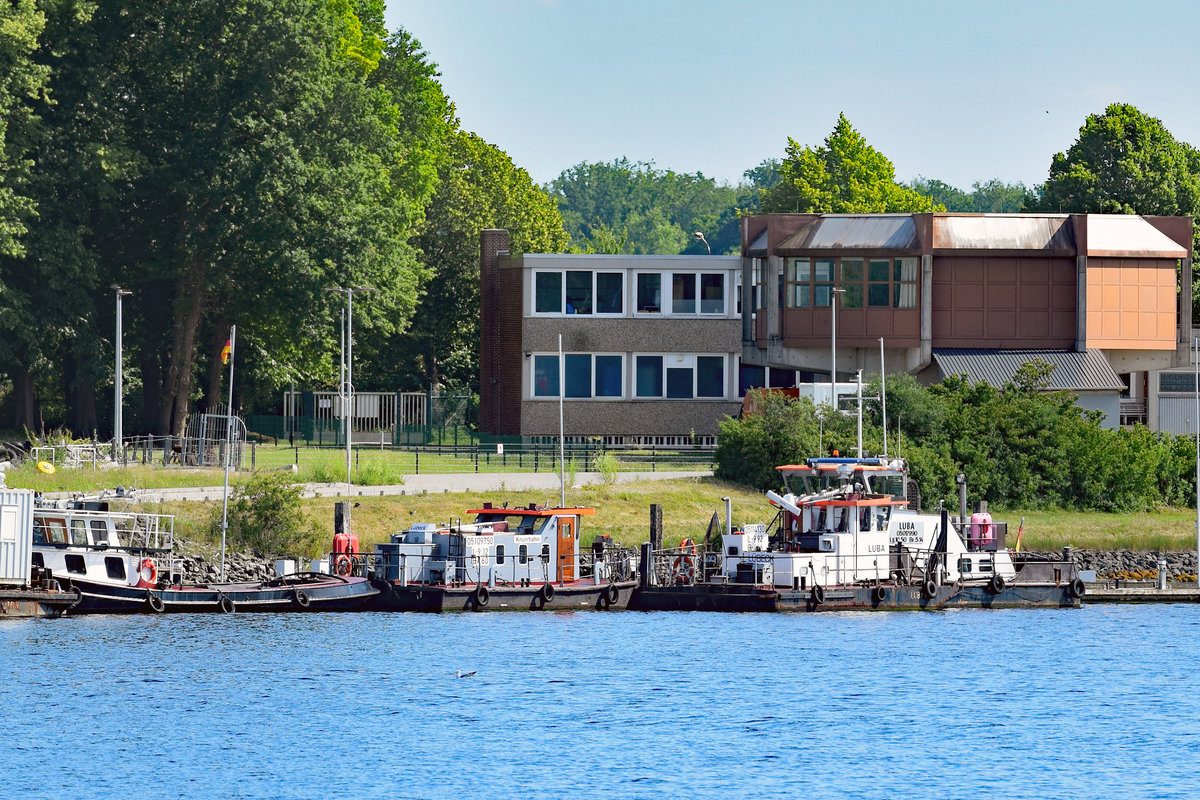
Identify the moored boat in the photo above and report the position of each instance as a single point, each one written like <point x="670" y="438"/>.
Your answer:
<point x="849" y="540"/>
<point x="125" y="562"/>
<point x="25" y="590"/>
<point x="524" y="558"/>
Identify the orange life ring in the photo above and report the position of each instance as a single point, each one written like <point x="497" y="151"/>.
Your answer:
<point x="148" y="565"/>
<point x="683" y="568"/>
<point x="342" y="565"/>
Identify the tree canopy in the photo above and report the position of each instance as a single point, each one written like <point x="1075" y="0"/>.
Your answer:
<point x="845" y="175"/>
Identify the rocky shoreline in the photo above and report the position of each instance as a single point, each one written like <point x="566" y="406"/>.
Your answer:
<point x="1130" y="564"/>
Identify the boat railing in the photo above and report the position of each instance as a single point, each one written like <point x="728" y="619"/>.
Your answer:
<point x="683" y="566"/>
<point x="982" y="536"/>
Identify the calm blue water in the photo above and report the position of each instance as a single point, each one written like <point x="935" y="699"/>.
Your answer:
<point x="1096" y="702"/>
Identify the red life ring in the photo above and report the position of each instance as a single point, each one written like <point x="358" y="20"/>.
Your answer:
<point x="342" y="565"/>
<point x="683" y="568"/>
<point x="148" y="567"/>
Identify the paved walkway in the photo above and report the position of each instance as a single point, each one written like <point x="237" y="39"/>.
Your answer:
<point x="430" y="483"/>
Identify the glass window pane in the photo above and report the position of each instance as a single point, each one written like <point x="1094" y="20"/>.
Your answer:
<point x="579" y="292"/>
<point x="906" y="269"/>
<point x="683" y="294"/>
<point x="649" y="293"/>
<point x="649" y="376"/>
<point x="906" y="295"/>
<point x="579" y="376"/>
<point x="852" y="297"/>
<point x="821" y="294"/>
<point x="877" y="294"/>
<point x="712" y="293"/>
<point x="609" y="299"/>
<point x="823" y="270"/>
<point x="799" y="269"/>
<point x="545" y="376"/>
<point x="608" y="376"/>
<point x="679" y="383"/>
<point x="879" y="270"/>
<point x="801" y="295"/>
<point x="710" y="376"/>
<point x="548" y="292"/>
<point x="852" y="270"/>
<point x="78" y="532"/>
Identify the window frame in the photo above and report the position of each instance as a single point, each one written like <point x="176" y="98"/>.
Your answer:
<point x="593" y="375"/>
<point x="666" y="293"/>
<point x="802" y="287"/>
<point x="679" y="362"/>
<point x="595" y="274"/>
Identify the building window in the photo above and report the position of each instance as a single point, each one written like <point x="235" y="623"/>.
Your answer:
<point x="712" y="293"/>
<point x="1182" y="382"/>
<point x="680" y="377"/>
<point x="884" y="282"/>
<point x="692" y="293"/>
<point x="649" y="293"/>
<point x="578" y="292"/>
<point x="586" y="376"/>
<point x="683" y="293"/>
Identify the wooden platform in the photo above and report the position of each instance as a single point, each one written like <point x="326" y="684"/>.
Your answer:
<point x="1121" y="592"/>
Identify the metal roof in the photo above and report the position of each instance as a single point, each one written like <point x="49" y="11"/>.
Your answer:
<point x="855" y="232"/>
<point x="1127" y="235"/>
<point x="759" y="245"/>
<point x="1046" y="232"/>
<point x="1076" y="372"/>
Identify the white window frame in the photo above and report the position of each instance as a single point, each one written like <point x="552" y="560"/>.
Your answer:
<point x="666" y="299"/>
<point x="562" y="299"/>
<point x="680" y="361"/>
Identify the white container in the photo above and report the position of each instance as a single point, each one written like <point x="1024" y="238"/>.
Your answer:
<point x="16" y="536"/>
<point x="284" y="566"/>
<point x="320" y="565"/>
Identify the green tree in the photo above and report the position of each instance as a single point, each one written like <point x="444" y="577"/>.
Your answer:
<point x="846" y="175"/>
<point x="987" y="197"/>
<point x="266" y="515"/>
<point x="1124" y="162"/>
<point x="781" y="430"/>
<point x="22" y="83"/>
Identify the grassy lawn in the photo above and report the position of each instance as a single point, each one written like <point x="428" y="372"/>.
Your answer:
<point x="1168" y="529"/>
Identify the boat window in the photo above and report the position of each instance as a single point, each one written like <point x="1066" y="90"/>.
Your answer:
<point x="78" y="532"/>
<point x="733" y="551"/>
<point x="56" y="531"/>
<point x="75" y="564"/>
<point x="39" y="531"/>
<point x="99" y="532"/>
<point x="523" y="554"/>
<point x="499" y="554"/>
<point x="38" y="561"/>
<point x="545" y="554"/>
<point x="116" y="567"/>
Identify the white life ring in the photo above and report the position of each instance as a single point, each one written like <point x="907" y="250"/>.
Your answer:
<point x="148" y="571"/>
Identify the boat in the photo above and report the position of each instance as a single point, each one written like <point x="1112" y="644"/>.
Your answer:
<point x="522" y="558"/>
<point x="25" y="590"/>
<point x="849" y="538"/>
<point x="125" y="562"/>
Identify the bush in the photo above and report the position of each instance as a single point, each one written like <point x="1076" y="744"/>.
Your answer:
<point x="607" y="465"/>
<point x="265" y="516"/>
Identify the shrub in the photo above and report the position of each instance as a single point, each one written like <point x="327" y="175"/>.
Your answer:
<point x="265" y="515"/>
<point x="607" y="465"/>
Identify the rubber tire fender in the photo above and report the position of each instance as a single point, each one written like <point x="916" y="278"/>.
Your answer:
<point x="602" y="600"/>
<point x="155" y="602"/>
<point x="1077" y="588"/>
<point x="997" y="584"/>
<point x="226" y="605"/>
<point x="878" y="593"/>
<point x="481" y="596"/>
<point x="614" y="594"/>
<point x="929" y="589"/>
<point x="301" y="598"/>
<point x="547" y="591"/>
<point x="818" y="594"/>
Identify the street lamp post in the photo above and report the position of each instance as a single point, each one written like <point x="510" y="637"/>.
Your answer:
<point x="699" y="236"/>
<point x="833" y="293"/>
<point x="347" y="389"/>
<point x="118" y="417"/>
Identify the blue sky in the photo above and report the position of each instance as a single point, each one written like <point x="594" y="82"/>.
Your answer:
<point x="960" y="91"/>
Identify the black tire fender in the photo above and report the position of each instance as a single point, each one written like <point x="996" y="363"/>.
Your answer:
<point x="547" y="591"/>
<point x="1077" y="588"/>
<point x="155" y="602"/>
<point x="878" y="593"/>
<point x="226" y="605"/>
<point x="481" y="596"/>
<point x="930" y="589"/>
<point x="818" y="594"/>
<point x="614" y="594"/>
<point x="301" y="598"/>
<point x="997" y="584"/>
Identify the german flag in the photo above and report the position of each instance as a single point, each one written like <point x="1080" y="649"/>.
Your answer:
<point x="225" y="351"/>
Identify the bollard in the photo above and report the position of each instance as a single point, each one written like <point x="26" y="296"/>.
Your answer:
<point x="1162" y="573"/>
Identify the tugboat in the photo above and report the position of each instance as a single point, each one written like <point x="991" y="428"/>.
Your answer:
<point x="524" y="558"/>
<point x="124" y="562"/>
<point x="849" y="540"/>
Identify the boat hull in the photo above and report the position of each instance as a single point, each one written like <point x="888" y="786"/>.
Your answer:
<point x="885" y="597"/>
<point x="335" y="594"/>
<point x="565" y="597"/>
<point x="35" y="603"/>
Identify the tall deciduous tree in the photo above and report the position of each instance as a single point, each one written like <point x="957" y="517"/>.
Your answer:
<point x="846" y="175"/>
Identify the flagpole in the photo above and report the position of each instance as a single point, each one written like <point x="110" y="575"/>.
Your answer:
<point x="228" y="446"/>
<point x="562" y="465"/>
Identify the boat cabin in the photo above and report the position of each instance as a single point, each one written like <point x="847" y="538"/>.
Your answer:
<point x="88" y="542"/>
<point x="520" y="545"/>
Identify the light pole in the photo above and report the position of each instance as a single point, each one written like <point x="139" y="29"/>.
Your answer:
<point x="347" y="389"/>
<point x="833" y="293"/>
<point x="118" y="421"/>
<point x="699" y="236"/>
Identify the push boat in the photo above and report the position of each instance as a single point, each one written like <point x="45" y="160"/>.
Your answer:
<point x="523" y="558"/>
<point x="125" y="562"/>
<point x="849" y="539"/>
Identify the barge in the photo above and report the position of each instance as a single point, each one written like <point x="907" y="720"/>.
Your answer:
<point x="850" y="541"/>
<point x="506" y="559"/>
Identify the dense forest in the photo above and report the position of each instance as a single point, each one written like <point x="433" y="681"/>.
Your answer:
<point x="230" y="164"/>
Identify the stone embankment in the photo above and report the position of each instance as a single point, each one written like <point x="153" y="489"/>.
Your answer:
<point x="201" y="563"/>
<point x="1133" y="564"/>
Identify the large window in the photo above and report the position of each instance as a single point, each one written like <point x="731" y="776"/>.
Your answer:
<point x="679" y="377"/>
<point x="578" y="292"/>
<point x="691" y="293"/>
<point x="586" y="375"/>
<point x="874" y="282"/>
